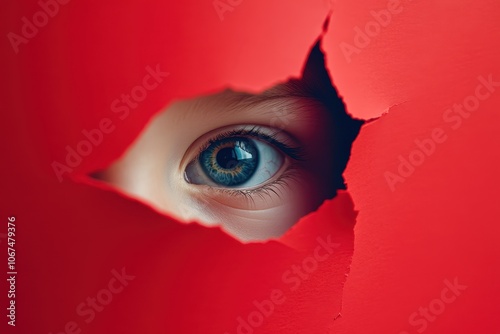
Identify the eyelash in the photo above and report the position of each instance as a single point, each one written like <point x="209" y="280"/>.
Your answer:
<point x="274" y="187"/>
<point x="296" y="153"/>
<point x="256" y="132"/>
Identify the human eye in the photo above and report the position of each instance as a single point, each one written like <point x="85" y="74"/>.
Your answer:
<point x="247" y="160"/>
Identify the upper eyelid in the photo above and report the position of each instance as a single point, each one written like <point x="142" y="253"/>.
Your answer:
<point x="255" y="131"/>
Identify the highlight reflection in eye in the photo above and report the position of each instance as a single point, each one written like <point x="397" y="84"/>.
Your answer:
<point x="240" y="159"/>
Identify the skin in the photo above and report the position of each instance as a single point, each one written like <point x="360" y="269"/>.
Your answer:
<point x="153" y="167"/>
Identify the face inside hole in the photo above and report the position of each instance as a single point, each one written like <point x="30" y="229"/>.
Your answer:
<point x="252" y="163"/>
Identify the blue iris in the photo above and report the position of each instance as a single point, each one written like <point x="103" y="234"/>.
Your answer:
<point x="230" y="161"/>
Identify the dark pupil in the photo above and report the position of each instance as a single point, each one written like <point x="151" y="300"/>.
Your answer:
<point x="226" y="158"/>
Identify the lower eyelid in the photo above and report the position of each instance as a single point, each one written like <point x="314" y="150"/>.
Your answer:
<point x="253" y="198"/>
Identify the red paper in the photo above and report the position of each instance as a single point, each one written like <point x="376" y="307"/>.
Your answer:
<point x="79" y="240"/>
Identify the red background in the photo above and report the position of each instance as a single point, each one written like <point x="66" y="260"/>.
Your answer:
<point x="441" y="223"/>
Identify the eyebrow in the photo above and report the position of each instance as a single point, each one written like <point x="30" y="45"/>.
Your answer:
<point x="292" y="88"/>
<point x="273" y="102"/>
<point x="277" y="97"/>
